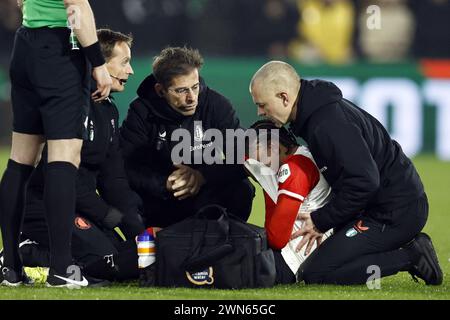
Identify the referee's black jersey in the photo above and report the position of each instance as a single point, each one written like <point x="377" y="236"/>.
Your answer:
<point x="367" y="170"/>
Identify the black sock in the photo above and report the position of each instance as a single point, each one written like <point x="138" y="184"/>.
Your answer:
<point x="12" y="202"/>
<point x="59" y="199"/>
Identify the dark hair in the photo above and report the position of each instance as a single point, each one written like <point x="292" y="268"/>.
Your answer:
<point x="286" y="137"/>
<point x="175" y="61"/>
<point x="108" y="40"/>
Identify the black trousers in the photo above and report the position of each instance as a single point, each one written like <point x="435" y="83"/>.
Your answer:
<point x="89" y="243"/>
<point x="100" y="253"/>
<point x="351" y="255"/>
<point x="236" y="197"/>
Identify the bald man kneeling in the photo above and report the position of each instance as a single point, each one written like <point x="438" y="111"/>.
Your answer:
<point x="378" y="205"/>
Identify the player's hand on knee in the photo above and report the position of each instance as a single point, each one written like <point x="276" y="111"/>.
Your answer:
<point x="309" y="239"/>
<point x="303" y="241"/>
<point x="314" y="239"/>
<point x="309" y="232"/>
<point x="104" y="83"/>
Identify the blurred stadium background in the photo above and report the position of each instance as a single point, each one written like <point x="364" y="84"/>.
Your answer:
<point x="391" y="57"/>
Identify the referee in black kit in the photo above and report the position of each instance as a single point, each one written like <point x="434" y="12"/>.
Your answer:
<point x="50" y="75"/>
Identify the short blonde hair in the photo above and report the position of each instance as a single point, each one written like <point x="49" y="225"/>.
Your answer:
<point x="276" y="74"/>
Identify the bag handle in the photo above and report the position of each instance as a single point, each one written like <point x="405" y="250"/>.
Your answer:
<point x="197" y="261"/>
<point x="210" y="211"/>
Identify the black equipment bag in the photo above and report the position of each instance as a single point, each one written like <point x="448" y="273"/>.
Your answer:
<point x="214" y="249"/>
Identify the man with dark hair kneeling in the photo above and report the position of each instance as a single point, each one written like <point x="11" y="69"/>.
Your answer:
<point x="104" y="199"/>
<point x="175" y="99"/>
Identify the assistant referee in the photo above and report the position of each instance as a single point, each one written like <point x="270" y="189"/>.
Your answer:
<point x="56" y="51"/>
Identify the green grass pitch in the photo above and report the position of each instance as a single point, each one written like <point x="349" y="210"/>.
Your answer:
<point x="436" y="177"/>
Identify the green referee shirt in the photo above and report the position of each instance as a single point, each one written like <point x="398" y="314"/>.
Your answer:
<point x="44" y="13"/>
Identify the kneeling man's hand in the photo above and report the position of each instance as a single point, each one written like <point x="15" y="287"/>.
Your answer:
<point x="185" y="182"/>
<point x="309" y="232"/>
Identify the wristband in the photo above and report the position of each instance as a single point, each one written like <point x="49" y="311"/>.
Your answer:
<point x="94" y="54"/>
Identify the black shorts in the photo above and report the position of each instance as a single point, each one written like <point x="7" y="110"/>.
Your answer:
<point x="50" y="84"/>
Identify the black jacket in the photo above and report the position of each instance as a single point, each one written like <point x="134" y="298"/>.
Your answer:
<point x="101" y="180"/>
<point x="146" y="138"/>
<point x="367" y="170"/>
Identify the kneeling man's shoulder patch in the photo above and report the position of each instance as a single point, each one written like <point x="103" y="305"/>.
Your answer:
<point x="284" y="173"/>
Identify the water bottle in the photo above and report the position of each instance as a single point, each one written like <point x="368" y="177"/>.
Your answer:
<point x="146" y="249"/>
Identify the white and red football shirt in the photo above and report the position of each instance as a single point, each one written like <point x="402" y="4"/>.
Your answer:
<point x="300" y="188"/>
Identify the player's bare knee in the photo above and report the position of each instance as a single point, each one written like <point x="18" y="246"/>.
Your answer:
<point x="25" y="156"/>
<point x="26" y="149"/>
<point x="67" y="150"/>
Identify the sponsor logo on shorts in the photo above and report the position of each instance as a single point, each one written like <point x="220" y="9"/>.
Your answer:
<point x="202" y="277"/>
<point x="82" y="224"/>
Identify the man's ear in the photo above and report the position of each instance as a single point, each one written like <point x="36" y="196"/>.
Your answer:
<point x="284" y="97"/>
<point x="159" y="89"/>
